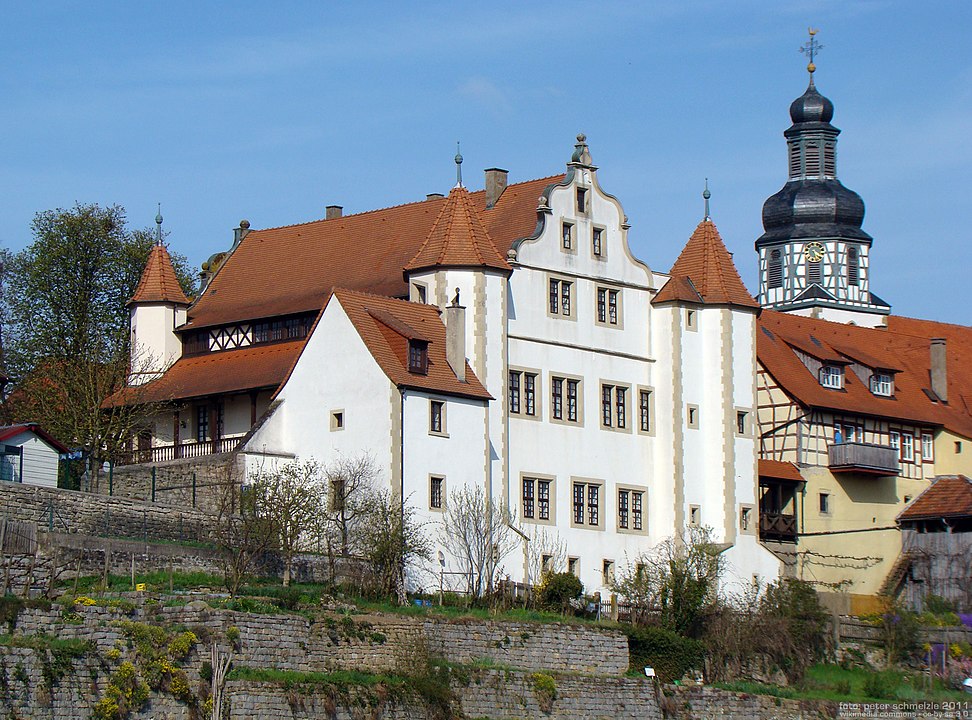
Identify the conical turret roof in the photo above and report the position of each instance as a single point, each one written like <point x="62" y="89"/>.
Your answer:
<point x="159" y="283"/>
<point x="705" y="273"/>
<point x="458" y="238"/>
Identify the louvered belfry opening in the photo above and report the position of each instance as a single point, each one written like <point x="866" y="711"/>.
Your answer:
<point x="775" y="270"/>
<point x="853" y="266"/>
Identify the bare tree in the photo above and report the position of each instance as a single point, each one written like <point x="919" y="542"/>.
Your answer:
<point x="547" y="554"/>
<point x="680" y="576"/>
<point x="292" y="504"/>
<point x="394" y="540"/>
<point x="479" y="532"/>
<point x="243" y="536"/>
<point x="351" y="483"/>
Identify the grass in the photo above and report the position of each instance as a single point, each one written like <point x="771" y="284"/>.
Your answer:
<point x="340" y="679"/>
<point x="153" y="580"/>
<point x="69" y="646"/>
<point x="839" y="684"/>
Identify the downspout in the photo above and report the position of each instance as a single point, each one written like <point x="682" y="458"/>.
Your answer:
<point x="401" y="478"/>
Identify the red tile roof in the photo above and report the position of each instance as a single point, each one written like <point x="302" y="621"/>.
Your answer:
<point x="292" y="269"/>
<point x="905" y="345"/>
<point x="159" y="282"/>
<point x="947" y="496"/>
<point x="217" y="373"/>
<point x="458" y="238"/>
<point x="388" y="342"/>
<point x="779" y="470"/>
<point x="9" y="431"/>
<point x="706" y="262"/>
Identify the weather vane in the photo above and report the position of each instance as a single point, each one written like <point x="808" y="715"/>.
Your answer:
<point x="811" y="48"/>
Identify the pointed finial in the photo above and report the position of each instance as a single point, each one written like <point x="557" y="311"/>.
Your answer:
<point x="705" y="196"/>
<point x="582" y="154"/>
<point x="458" y="166"/>
<point x="811" y="48"/>
<point x="158" y="226"/>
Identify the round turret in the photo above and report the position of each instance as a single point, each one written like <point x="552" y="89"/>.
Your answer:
<point x="811" y="107"/>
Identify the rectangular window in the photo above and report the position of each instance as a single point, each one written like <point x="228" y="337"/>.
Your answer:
<point x="637" y="517"/>
<point x="813" y="272"/>
<point x="530" y="393"/>
<point x="573" y="566"/>
<point x="202" y="423"/>
<point x="832" y="377"/>
<point x="596" y="235"/>
<point x="742" y="421"/>
<point x="546" y="563"/>
<point x="557" y="398"/>
<point x="572" y="400"/>
<point x="695" y="516"/>
<point x="543" y="499"/>
<point x="529" y="498"/>
<point x="606" y="404"/>
<point x="567" y="236"/>
<point x="607" y="572"/>
<point x="579" y="503"/>
<point x="560" y="297"/>
<point x="601" y="305"/>
<point x="881" y="384"/>
<point x="514" y="390"/>
<point x="613" y="307"/>
<point x="894" y="438"/>
<point x="927" y="447"/>
<point x="692" y="415"/>
<point x="908" y="447"/>
<point x="593" y="505"/>
<point x="644" y="410"/>
<point x="418" y="357"/>
<point x="435" y="492"/>
<point x="620" y="407"/>
<point x="607" y="306"/>
<point x="337" y="420"/>
<point x="824" y="503"/>
<point x="745" y="518"/>
<point x="581" y="200"/>
<point x="623" y="509"/>
<point x="436" y="420"/>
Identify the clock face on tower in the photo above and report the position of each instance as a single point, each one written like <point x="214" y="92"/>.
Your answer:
<point x="814" y="251"/>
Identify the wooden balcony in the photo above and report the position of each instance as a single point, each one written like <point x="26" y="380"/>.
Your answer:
<point x="777" y="526"/>
<point x="856" y="457"/>
<point x="161" y="453"/>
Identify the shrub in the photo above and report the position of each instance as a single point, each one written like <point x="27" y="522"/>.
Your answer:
<point x="545" y="688"/>
<point x="556" y="590"/>
<point x="899" y="631"/>
<point x="881" y="685"/>
<point x="670" y="654"/>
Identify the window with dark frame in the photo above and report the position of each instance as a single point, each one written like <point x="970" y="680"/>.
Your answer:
<point x="853" y="266"/>
<point x="435" y="415"/>
<point x="813" y="272"/>
<point x="543" y="499"/>
<point x="560" y="300"/>
<point x="565" y="297"/>
<point x="637" y="518"/>
<point x="528" y="496"/>
<point x="596" y="235"/>
<point x="741" y="422"/>
<point x="774" y="274"/>
<point x="644" y="410"/>
<point x="824" y="503"/>
<point x="623" y="509"/>
<point x="581" y="200"/>
<point x="593" y="506"/>
<point x="514" y="391"/>
<point x="530" y="393"/>
<point x="557" y="398"/>
<point x="435" y="492"/>
<point x="567" y="236"/>
<point x="572" y="400"/>
<point x="606" y="401"/>
<point x="620" y="407"/>
<point x="202" y="423"/>
<point x="613" y="307"/>
<point x="601" y="305"/>
<point x="579" y="503"/>
<point x="418" y="357"/>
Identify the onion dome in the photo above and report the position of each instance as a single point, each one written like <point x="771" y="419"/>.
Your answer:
<point x="813" y="204"/>
<point x="811" y="107"/>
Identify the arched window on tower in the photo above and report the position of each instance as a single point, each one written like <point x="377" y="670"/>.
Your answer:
<point x="853" y="266"/>
<point x="774" y="273"/>
<point x="813" y="272"/>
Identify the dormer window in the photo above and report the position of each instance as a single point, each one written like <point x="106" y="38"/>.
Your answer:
<point x="418" y="357"/>
<point x="882" y="384"/>
<point x="832" y="377"/>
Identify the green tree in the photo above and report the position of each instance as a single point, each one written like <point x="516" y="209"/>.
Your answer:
<point x="66" y="340"/>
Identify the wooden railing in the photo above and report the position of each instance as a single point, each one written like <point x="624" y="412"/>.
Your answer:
<point x="777" y="526"/>
<point x="161" y="453"/>
<point x="864" y="457"/>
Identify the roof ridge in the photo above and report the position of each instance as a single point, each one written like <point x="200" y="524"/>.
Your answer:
<point x="396" y="206"/>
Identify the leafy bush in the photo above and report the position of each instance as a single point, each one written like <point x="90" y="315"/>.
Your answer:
<point x="670" y="654"/>
<point x="881" y="685"/>
<point x="545" y="688"/>
<point x="556" y="590"/>
<point x="937" y="605"/>
<point x="899" y="631"/>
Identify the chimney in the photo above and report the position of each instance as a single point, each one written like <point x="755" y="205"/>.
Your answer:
<point x="434" y="196"/>
<point x="939" y="376"/>
<point x="455" y="322"/>
<point x="332" y="212"/>
<point x="495" y="185"/>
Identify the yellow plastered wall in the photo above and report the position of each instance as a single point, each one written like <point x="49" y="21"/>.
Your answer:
<point x="953" y="454"/>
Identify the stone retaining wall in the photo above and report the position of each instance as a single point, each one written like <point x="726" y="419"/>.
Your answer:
<point x="174" y="481"/>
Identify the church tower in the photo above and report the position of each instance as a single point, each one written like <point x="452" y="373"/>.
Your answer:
<point x="814" y="256"/>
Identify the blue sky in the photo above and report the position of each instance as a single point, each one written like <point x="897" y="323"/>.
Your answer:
<point x="270" y="111"/>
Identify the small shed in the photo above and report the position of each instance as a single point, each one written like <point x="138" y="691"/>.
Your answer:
<point x="936" y="540"/>
<point x="28" y="454"/>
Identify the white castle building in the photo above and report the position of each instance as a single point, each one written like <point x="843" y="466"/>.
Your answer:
<point x="506" y="339"/>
